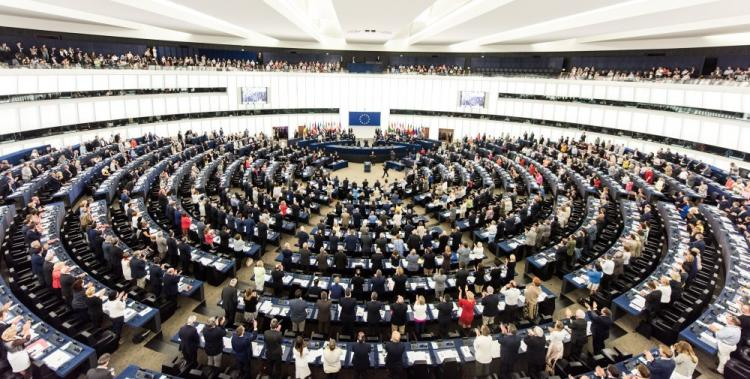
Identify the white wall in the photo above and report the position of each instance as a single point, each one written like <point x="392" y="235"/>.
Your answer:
<point x="377" y="93"/>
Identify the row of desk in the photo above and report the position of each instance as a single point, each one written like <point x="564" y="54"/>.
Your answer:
<point x="734" y="249"/>
<point x="137" y="315"/>
<point x="58" y="351"/>
<point x="678" y="241"/>
<point x="188" y="287"/>
<point x="631" y="221"/>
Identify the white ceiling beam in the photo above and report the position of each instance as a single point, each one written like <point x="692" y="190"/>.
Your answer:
<point x="616" y="12"/>
<point x="309" y="20"/>
<point x="444" y="15"/>
<point x="167" y="8"/>
<point x="668" y="29"/>
<point x="55" y="10"/>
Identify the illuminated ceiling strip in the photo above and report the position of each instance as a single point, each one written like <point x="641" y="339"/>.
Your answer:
<point x="306" y="22"/>
<point x="629" y="9"/>
<point x="677" y="28"/>
<point x="192" y="16"/>
<point x="450" y="17"/>
<point x="54" y="10"/>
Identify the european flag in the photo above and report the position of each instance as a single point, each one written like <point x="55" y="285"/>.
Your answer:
<point x="364" y="118"/>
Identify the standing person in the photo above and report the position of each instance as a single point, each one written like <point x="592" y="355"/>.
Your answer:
<point x="213" y="335"/>
<point x="531" y="298"/>
<point x="102" y="369"/>
<point x="272" y="338"/>
<point x="535" y="352"/>
<point x="115" y="309"/>
<point x="372" y="309"/>
<point x="662" y="367"/>
<point x="229" y="302"/>
<point x="601" y="322"/>
<point x="16" y="355"/>
<point x="556" y="348"/>
<point x="394" y="358"/>
<point x="361" y="356"/>
<point x="439" y="278"/>
<point x="578" y="336"/>
<point x="242" y="345"/>
<point x="482" y="352"/>
<point x="348" y="313"/>
<point x="301" y="359"/>
<point x="685" y="361"/>
<point x="190" y="341"/>
<point x="399" y="312"/>
<point x="467" y="309"/>
<point x="509" y="345"/>
<point x="512" y="294"/>
<point x="323" y="306"/>
<point x="420" y="315"/>
<point x="445" y="314"/>
<point x="385" y="170"/>
<point x="490" y="302"/>
<point x="332" y="359"/>
<point x="250" y="298"/>
<point x="727" y="338"/>
<point x="298" y="312"/>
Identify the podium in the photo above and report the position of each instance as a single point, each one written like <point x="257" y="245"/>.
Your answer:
<point x="368" y="166"/>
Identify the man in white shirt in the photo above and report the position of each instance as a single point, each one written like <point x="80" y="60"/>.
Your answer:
<point x="115" y="309"/>
<point x="608" y="268"/>
<point x="511" y="294"/>
<point x="727" y="338"/>
<point x="483" y="352"/>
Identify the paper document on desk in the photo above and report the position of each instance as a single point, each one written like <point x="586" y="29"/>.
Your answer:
<point x="638" y="302"/>
<point x="144" y="312"/>
<point x="495" y="349"/>
<point x="466" y="352"/>
<point x="257" y="348"/>
<point x="57" y="359"/>
<point x="227" y="343"/>
<point x="542" y="261"/>
<point x="448" y="353"/>
<point x="413" y="356"/>
<point x="708" y="338"/>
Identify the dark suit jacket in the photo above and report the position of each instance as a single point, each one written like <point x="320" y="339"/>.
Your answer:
<point x="661" y="368"/>
<point x="229" y="299"/>
<point x="361" y="358"/>
<point x="189" y="339"/>
<point x="348" y="309"/>
<point x="273" y="344"/>
<point x="536" y="351"/>
<point x="394" y="358"/>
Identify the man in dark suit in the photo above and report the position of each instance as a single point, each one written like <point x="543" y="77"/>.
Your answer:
<point x="340" y="260"/>
<point x="348" y="313"/>
<point x="577" y="333"/>
<point x="662" y="367"/>
<point x="509" y="344"/>
<point x="394" y="358"/>
<point x="373" y="308"/>
<point x="156" y="275"/>
<point x="171" y="280"/>
<point x="361" y="356"/>
<point x="536" y="352"/>
<point x="242" y="344"/>
<point x="445" y="313"/>
<point x="601" y="322"/>
<point x="350" y="242"/>
<point x="185" y="251"/>
<point x="229" y="302"/>
<point x="189" y="341"/>
<point x="273" y="338"/>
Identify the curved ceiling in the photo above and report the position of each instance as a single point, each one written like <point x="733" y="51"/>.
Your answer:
<point x="398" y="25"/>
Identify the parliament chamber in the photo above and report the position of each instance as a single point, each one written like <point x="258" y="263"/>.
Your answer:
<point x="203" y="200"/>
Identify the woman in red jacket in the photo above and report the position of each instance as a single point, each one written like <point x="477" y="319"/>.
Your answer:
<point x="185" y="223"/>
